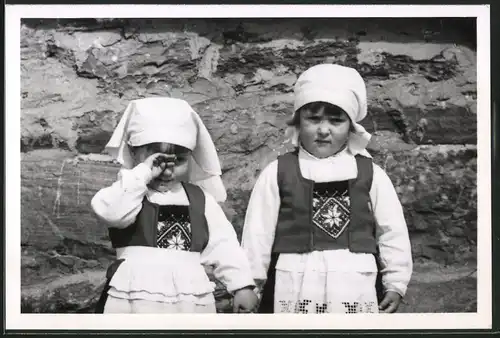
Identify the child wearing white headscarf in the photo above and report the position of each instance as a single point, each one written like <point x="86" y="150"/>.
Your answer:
<point x="323" y="220"/>
<point x="163" y="217"/>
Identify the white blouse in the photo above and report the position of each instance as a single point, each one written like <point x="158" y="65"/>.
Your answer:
<point x="392" y="232"/>
<point x="119" y="204"/>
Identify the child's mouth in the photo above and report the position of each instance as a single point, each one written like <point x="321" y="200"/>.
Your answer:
<point x="323" y="142"/>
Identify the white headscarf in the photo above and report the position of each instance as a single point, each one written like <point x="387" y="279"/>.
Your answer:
<point x="341" y="86"/>
<point x="164" y="119"/>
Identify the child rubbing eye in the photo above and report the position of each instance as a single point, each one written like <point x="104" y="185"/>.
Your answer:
<point x="163" y="217"/>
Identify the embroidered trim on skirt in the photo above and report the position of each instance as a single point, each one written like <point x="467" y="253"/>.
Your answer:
<point x="334" y="281"/>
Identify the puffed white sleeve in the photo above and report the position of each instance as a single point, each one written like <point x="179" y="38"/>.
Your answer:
<point x="223" y="250"/>
<point x="260" y="222"/>
<point x="392" y="234"/>
<point x="119" y="204"/>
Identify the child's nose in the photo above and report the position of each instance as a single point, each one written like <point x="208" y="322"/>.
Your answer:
<point x="323" y="130"/>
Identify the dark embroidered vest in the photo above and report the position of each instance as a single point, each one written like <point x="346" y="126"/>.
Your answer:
<point x="189" y="234"/>
<point x="299" y="230"/>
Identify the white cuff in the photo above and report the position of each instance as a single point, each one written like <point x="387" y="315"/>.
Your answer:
<point x="235" y="286"/>
<point x="399" y="288"/>
<point x="142" y="172"/>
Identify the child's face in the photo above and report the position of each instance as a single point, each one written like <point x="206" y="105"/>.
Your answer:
<point x="180" y="171"/>
<point x="323" y="132"/>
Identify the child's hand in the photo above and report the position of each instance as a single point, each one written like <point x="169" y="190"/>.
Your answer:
<point x="245" y="301"/>
<point x="390" y="303"/>
<point x="160" y="164"/>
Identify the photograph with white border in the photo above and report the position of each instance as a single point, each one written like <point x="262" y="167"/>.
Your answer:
<point x="236" y="88"/>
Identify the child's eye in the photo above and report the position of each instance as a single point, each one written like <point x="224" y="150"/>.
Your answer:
<point x="180" y="160"/>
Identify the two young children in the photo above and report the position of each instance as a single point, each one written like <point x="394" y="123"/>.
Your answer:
<point x="321" y="223"/>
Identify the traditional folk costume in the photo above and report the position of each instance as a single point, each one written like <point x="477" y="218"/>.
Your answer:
<point x="318" y="230"/>
<point x="163" y="240"/>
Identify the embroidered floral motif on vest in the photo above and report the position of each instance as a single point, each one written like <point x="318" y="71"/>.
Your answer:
<point x="331" y="207"/>
<point x="174" y="228"/>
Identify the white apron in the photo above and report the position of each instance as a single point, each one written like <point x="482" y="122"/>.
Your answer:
<point x="332" y="281"/>
<point x="156" y="280"/>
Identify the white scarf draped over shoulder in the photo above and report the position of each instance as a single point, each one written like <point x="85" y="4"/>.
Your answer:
<point x="169" y="120"/>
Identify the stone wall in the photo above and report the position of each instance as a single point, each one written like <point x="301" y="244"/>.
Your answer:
<point x="77" y="77"/>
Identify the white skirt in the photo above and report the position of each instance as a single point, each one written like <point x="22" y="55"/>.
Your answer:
<point x="156" y="280"/>
<point x="334" y="281"/>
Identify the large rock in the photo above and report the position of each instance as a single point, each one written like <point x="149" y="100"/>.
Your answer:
<point x="77" y="76"/>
